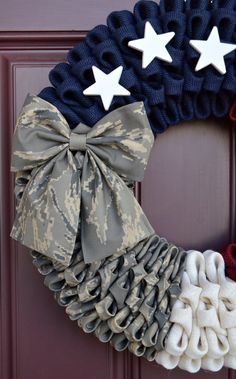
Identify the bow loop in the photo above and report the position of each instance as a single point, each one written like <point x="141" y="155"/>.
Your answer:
<point x="124" y="134"/>
<point x="84" y="191"/>
<point x="41" y="133"/>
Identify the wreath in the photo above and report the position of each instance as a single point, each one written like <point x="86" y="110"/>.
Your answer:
<point x="78" y="149"/>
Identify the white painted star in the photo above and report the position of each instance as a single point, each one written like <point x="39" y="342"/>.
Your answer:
<point x="107" y="86"/>
<point x="153" y="45"/>
<point x="212" y="51"/>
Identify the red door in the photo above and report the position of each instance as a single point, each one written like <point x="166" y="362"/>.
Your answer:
<point x="188" y="194"/>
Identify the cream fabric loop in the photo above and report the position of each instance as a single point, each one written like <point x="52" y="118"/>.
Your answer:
<point x="197" y="344"/>
<point x="215" y="266"/>
<point x="188" y="364"/>
<point x="177" y="341"/>
<point x="207" y="317"/>
<point x="228" y="293"/>
<point x="182" y="314"/>
<point x="232" y="341"/>
<point x="227" y="317"/>
<point x="230" y="361"/>
<point x="195" y="263"/>
<point x="166" y="360"/>
<point x="190" y="294"/>
<point x="210" y="293"/>
<point x="211" y="364"/>
<point x="218" y="345"/>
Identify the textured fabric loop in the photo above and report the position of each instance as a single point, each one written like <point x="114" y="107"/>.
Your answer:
<point x="78" y="142"/>
<point x="105" y="45"/>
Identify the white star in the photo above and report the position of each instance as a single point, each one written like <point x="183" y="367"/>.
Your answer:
<point x="107" y="86"/>
<point x="153" y="45"/>
<point x="212" y="51"/>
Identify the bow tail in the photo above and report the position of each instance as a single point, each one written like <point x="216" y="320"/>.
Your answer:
<point x="111" y="218"/>
<point x="48" y="213"/>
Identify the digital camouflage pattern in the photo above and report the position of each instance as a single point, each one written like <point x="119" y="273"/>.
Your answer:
<point x="77" y="176"/>
<point x="90" y="238"/>
<point x="126" y="299"/>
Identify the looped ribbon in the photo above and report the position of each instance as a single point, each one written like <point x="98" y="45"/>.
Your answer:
<point x="63" y="194"/>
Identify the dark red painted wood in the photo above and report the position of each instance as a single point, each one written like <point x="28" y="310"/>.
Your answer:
<point x="189" y="176"/>
<point x="188" y="194"/>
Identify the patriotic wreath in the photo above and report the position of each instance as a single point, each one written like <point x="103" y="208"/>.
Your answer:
<point x="78" y="149"/>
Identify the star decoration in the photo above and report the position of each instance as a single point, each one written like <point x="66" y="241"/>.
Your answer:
<point x="212" y="51"/>
<point x="153" y="45"/>
<point x="107" y="86"/>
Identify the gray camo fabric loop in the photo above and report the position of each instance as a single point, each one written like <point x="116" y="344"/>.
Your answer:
<point x="125" y="300"/>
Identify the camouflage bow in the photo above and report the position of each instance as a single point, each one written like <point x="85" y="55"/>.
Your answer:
<point x="77" y="177"/>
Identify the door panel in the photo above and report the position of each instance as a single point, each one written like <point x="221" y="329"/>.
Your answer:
<point x="188" y="194"/>
<point x="31" y="15"/>
<point x="188" y="188"/>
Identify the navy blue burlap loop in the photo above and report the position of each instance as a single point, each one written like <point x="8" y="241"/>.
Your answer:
<point x="96" y="36"/>
<point x="144" y="10"/>
<point x="60" y="73"/>
<point x="172" y="93"/>
<point x="198" y="24"/>
<point x="198" y="4"/>
<point x="225" y="20"/>
<point x="82" y="70"/>
<point x="176" y="22"/>
<point x="78" y="53"/>
<point x="228" y="4"/>
<point x="172" y="6"/>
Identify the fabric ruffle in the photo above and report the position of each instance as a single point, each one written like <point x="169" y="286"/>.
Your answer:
<point x="172" y="93"/>
<point x="229" y="254"/>
<point x="203" y="333"/>
<point x="125" y="299"/>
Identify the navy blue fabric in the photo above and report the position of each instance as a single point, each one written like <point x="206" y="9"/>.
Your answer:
<point x="172" y="93"/>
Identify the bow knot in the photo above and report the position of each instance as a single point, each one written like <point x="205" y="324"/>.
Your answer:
<point x="59" y="201"/>
<point x="78" y="142"/>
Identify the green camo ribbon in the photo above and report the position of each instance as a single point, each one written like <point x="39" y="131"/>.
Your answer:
<point x="78" y="176"/>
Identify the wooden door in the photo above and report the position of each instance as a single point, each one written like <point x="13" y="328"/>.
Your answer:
<point x="188" y="194"/>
